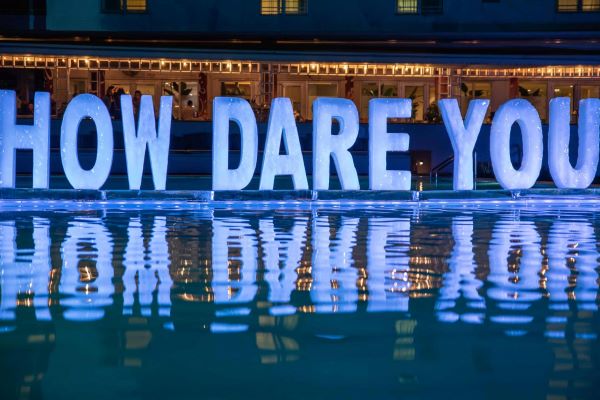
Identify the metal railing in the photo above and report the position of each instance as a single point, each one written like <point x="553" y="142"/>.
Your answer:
<point x="448" y="161"/>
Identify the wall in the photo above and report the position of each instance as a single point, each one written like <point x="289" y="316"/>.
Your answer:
<point x="331" y="18"/>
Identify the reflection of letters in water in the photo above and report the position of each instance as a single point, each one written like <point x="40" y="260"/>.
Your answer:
<point x="147" y="267"/>
<point x="327" y="145"/>
<point x="332" y="262"/>
<point x="340" y="260"/>
<point x="22" y="274"/>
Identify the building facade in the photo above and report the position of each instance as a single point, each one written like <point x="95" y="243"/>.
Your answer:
<point x="424" y="50"/>
<point x="302" y="49"/>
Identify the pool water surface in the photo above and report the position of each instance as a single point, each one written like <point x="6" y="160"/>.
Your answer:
<point x="300" y="302"/>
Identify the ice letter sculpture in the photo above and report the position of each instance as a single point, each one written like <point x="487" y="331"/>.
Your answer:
<point x="35" y="137"/>
<point x="326" y="145"/>
<point x="563" y="174"/>
<point x="86" y="105"/>
<point x="463" y="137"/>
<point x="381" y="141"/>
<point x="235" y="109"/>
<point x="135" y="143"/>
<point x="281" y="122"/>
<point x="523" y="113"/>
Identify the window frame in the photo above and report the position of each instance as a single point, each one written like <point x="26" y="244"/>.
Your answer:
<point x="578" y="8"/>
<point x="400" y="86"/>
<point x="123" y="8"/>
<point x="281" y="9"/>
<point x="421" y="9"/>
<point x="416" y="12"/>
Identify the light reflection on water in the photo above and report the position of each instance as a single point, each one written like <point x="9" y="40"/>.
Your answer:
<point x="296" y="303"/>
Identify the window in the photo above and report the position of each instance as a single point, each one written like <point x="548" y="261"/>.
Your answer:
<point x="578" y="5"/>
<point x="271" y="7"/>
<point x="321" y="89"/>
<point x="124" y="6"/>
<point x="590" y="92"/>
<point x="590" y="5"/>
<point x="237" y="89"/>
<point x="295" y="7"/>
<point x="568" y="5"/>
<point x="185" y="98"/>
<point x="126" y="86"/>
<point x="417" y="95"/>
<point x="372" y="90"/>
<point x="564" y="91"/>
<point x="432" y="6"/>
<point x="407" y="7"/>
<point x="536" y="93"/>
<point x="112" y="6"/>
<point x="560" y="90"/>
<point x="474" y="90"/>
<point x="294" y="93"/>
<point x="283" y="7"/>
<point x="424" y="6"/>
<point x="14" y="7"/>
<point x="77" y="86"/>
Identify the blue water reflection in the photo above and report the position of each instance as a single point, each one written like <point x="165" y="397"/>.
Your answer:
<point x="413" y="295"/>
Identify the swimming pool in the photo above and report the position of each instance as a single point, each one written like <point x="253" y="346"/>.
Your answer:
<point x="299" y="300"/>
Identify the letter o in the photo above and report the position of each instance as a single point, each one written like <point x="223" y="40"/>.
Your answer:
<point x="523" y="113"/>
<point x="86" y="105"/>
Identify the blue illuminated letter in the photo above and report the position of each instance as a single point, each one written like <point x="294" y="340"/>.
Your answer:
<point x="381" y="141"/>
<point x="559" y="134"/>
<point x="281" y="122"/>
<point x="35" y="137"/>
<point x="86" y="105"/>
<point x="235" y="109"/>
<point x="326" y="145"/>
<point x="463" y="136"/>
<point x="523" y="113"/>
<point x="135" y="143"/>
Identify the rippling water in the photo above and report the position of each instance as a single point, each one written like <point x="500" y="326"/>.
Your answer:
<point x="306" y="302"/>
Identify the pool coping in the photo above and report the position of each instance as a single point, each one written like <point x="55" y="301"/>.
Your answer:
<point x="330" y="196"/>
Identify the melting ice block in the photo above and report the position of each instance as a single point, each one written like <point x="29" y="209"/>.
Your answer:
<point x="463" y="136"/>
<point x="559" y="134"/>
<point x="282" y="123"/>
<point x="381" y="141"/>
<point x="326" y="145"/>
<point x="82" y="106"/>
<point x="145" y="136"/>
<point x="524" y="114"/>
<point x="35" y="137"/>
<point x="238" y="110"/>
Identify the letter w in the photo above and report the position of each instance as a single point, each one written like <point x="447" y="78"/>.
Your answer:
<point x="136" y="142"/>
